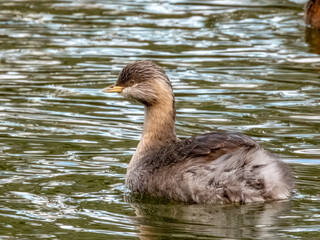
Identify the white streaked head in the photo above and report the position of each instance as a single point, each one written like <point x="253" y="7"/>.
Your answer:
<point x="143" y="81"/>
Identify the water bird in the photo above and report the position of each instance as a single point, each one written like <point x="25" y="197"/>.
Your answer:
<point x="212" y="168"/>
<point x="312" y="13"/>
<point x="312" y="20"/>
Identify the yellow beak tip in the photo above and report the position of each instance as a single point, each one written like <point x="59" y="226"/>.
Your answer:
<point x="113" y="89"/>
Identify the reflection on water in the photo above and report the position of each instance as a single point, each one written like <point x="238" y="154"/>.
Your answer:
<point x="245" y="66"/>
<point x="229" y="221"/>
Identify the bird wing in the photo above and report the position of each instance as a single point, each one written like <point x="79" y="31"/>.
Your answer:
<point x="209" y="146"/>
<point x="215" y="144"/>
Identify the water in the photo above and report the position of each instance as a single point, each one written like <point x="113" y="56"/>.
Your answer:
<point x="245" y="66"/>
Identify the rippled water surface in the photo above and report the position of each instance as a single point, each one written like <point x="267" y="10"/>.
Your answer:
<point x="247" y="66"/>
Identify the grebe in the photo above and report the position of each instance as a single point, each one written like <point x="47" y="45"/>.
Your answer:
<point x="216" y="167"/>
<point x="312" y="13"/>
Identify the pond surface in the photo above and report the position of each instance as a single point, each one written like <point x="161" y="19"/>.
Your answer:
<point x="246" y="66"/>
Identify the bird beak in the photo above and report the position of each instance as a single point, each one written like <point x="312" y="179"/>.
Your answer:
<point x="112" y="89"/>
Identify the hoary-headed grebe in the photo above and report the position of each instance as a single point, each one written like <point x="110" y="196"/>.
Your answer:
<point x="216" y="167"/>
<point x="312" y="13"/>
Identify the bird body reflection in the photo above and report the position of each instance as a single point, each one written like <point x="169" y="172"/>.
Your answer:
<point x="250" y="221"/>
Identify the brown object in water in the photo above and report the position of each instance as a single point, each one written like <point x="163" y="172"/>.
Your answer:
<point x="312" y="36"/>
<point x="216" y="167"/>
<point x="312" y="13"/>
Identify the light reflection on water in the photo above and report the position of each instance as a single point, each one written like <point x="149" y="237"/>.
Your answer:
<point x="250" y="67"/>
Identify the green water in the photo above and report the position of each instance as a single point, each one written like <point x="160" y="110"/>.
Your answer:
<point x="246" y="66"/>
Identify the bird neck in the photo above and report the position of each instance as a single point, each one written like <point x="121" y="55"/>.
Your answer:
<point x="158" y="132"/>
<point x="159" y="124"/>
<point x="158" y="128"/>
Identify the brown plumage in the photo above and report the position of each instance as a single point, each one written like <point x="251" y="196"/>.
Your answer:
<point x="312" y="13"/>
<point x="217" y="167"/>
